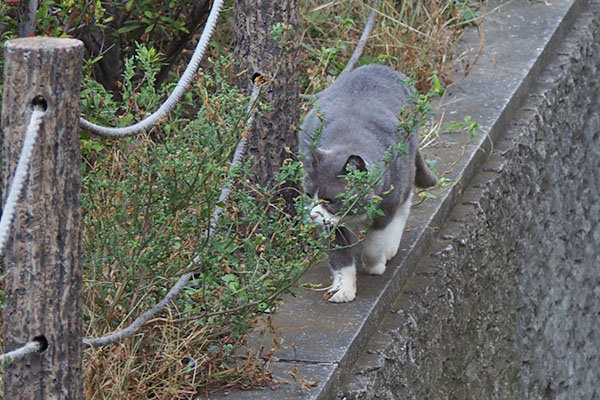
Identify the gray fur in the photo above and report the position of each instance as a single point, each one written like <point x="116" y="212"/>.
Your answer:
<point x="358" y="120"/>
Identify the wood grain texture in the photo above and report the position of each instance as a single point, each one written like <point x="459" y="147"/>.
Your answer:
<point x="258" y="51"/>
<point x="43" y="275"/>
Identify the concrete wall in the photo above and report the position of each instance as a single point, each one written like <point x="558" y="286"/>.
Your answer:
<point x="507" y="305"/>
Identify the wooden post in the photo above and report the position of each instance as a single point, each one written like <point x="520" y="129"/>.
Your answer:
<point x="43" y="275"/>
<point x="267" y="45"/>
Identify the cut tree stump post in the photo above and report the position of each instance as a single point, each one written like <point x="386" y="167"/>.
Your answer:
<point x="267" y="46"/>
<point x="42" y="266"/>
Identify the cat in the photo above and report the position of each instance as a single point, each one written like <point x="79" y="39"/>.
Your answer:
<point x="352" y="126"/>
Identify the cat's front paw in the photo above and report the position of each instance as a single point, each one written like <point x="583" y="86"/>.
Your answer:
<point x="341" y="294"/>
<point x="343" y="288"/>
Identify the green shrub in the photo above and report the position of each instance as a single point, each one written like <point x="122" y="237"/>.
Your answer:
<point x="148" y="203"/>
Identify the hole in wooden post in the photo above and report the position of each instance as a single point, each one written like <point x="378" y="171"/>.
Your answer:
<point x="42" y="341"/>
<point x="39" y="103"/>
<point x="257" y="78"/>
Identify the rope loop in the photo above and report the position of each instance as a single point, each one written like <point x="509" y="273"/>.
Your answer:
<point x="174" y="97"/>
<point x="135" y="326"/>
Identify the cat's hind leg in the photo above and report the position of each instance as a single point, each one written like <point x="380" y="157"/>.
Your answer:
<point x="373" y="252"/>
<point x="395" y="229"/>
<point x="382" y="244"/>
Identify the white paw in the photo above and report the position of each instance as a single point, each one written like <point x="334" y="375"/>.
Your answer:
<point x="343" y="288"/>
<point x="375" y="269"/>
<point x="341" y="294"/>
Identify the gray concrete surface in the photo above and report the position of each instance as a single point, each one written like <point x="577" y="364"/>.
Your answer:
<point x="496" y="290"/>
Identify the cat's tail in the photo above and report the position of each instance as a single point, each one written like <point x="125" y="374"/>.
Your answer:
<point x="424" y="178"/>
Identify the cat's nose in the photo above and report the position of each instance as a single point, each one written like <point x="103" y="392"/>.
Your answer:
<point x="314" y="216"/>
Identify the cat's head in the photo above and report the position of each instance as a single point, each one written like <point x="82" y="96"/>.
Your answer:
<point x="325" y="182"/>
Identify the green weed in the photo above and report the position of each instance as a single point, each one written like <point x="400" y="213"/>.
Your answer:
<point x="148" y="204"/>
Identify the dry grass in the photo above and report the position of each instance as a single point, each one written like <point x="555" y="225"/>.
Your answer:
<point x="169" y="360"/>
<point x="416" y="38"/>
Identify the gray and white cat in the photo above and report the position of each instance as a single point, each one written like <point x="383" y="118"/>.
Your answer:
<point x="353" y="123"/>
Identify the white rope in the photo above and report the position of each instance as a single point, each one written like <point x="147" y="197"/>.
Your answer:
<point x="184" y="279"/>
<point x="145" y="317"/>
<point x="238" y="155"/>
<point x="135" y="326"/>
<point x="22" y="352"/>
<point x="8" y="212"/>
<point x="178" y="92"/>
<point x="16" y="187"/>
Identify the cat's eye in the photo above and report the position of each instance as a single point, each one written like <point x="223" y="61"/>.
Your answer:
<point x="330" y="205"/>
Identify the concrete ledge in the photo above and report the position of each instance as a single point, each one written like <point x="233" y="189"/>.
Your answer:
<point x="356" y="350"/>
<point x="505" y="306"/>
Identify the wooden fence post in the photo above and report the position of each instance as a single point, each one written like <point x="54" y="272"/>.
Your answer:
<point x="261" y="49"/>
<point x="42" y="266"/>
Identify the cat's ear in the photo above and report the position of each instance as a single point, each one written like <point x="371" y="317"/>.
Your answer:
<point x="354" y="162"/>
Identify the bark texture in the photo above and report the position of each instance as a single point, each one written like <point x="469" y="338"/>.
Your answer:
<point x="43" y="275"/>
<point x="266" y="47"/>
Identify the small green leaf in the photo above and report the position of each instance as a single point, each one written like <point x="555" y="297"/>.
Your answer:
<point x="228" y="278"/>
<point x="453" y="126"/>
<point x="437" y="85"/>
<point x="129" y="27"/>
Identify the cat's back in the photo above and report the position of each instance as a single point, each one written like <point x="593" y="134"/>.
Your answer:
<point x="366" y="85"/>
<point x="359" y="109"/>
